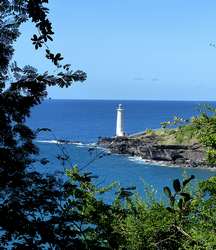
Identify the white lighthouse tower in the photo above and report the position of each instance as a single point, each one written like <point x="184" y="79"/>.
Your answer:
<point x="120" y="121"/>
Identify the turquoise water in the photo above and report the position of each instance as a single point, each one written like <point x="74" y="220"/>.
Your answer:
<point x="85" y="121"/>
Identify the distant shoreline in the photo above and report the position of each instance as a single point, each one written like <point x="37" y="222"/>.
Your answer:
<point x="136" y="157"/>
<point x="187" y="156"/>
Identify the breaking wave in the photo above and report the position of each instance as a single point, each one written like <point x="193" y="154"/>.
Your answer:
<point x="61" y="142"/>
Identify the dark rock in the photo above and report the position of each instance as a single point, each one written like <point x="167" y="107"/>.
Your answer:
<point x="150" y="149"/>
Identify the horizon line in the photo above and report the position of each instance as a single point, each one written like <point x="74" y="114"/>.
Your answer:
<point x="101" y="99"/>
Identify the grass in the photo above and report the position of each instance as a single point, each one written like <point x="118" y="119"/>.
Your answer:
<point x="171" y="136"/>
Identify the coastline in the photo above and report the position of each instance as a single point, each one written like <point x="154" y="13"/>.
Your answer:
<point x="151" y="152"/>
<point x="169" y="165"/>
<point x="111" y="145"/>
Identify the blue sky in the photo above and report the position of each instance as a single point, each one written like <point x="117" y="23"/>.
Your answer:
<point x="132" y="49"/>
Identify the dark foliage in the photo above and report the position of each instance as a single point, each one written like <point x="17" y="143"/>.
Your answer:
<point x="38" y="211"/>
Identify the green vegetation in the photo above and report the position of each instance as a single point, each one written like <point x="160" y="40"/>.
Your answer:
<point x="205" y="128"/>
<point x="186" y="220"/>
<point x="199" y="129"/>
<point x="187" y="223"/>
<point x="172" y="136"/>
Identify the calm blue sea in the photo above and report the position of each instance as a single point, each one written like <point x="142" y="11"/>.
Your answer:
<point x="85" y="121"/>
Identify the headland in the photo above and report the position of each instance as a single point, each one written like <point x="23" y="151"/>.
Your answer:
<point x="159" y="146"/>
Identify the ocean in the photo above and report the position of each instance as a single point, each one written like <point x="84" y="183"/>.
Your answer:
<point x="83" y="121"/>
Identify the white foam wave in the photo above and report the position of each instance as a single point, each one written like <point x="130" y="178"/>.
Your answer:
<point x="61" y="142"/>
<point x="48" y="141"/>
<point x="139" y="160"/>
<point x="77" y="144"/>
<point x="93" y="144"/>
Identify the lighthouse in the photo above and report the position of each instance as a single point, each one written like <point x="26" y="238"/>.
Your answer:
<point x="120" y="121"/>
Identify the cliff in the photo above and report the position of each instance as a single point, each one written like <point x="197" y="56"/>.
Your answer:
<point x="149" y="147"/>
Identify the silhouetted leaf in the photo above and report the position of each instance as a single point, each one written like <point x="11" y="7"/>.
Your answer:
<point x="167" y="192"/>
<point x="185" y="182"/>
<point x="44" y="161"/>
<point x="43" y="129"/>
<point x="177" y="185"/>
<point x="180" y="203"/>
<point x="186" y="196"/>
<point x="172" y="201"/>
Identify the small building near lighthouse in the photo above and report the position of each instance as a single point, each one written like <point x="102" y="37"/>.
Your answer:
<point x="120" y="121"/>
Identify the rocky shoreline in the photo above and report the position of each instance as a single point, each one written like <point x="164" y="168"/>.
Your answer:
<point x="150" y="150"/>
